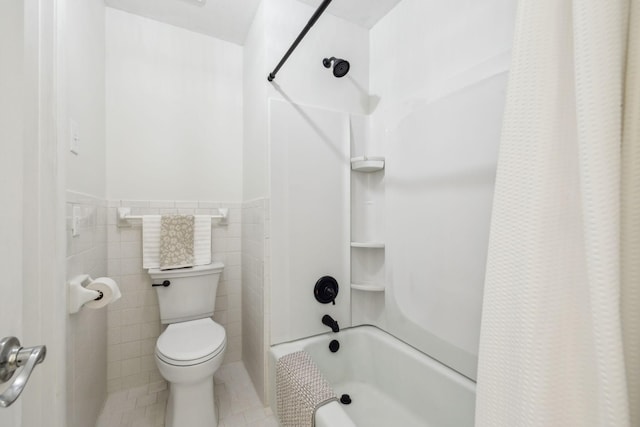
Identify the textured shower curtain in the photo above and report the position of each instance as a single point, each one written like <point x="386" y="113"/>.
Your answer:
<point x="560" y="332"/>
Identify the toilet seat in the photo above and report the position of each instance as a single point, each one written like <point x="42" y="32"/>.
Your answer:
<point x="190" y="343"/>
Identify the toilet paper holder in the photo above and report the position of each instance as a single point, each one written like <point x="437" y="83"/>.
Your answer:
<point x="79" y="295"/>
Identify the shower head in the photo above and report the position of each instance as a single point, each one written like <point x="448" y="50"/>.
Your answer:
<point x="340" y="66"/>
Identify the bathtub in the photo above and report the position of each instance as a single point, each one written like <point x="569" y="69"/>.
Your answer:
<point x="390" y="383"/>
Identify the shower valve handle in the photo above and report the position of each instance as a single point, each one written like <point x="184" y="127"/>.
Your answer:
<point x="326" y="290"/>
<point x="331" y="294"/>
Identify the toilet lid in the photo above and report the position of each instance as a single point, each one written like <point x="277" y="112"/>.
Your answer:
<point x="194" y="341"/>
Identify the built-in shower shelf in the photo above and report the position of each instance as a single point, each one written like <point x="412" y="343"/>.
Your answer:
<point x="368" y="245"/>
<point x="367" y="287"/>
<point x="367" y="164"/>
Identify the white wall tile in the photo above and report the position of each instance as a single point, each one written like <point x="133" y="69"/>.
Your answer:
<point x="252" y="311"/>
<point x="134" y="321"/>
<point x="186" y="204"/>
<point x="208" y="205"/>
<point x="87" y="337"/>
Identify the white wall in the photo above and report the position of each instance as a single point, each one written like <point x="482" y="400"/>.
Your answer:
<point x="309" y="163"/>
<point x="11" y="177"/>
<point x="82" y="101"/>
<point x="255" y="89"/>
<point x="303" y="79"/>
<point x="301" y="85"/>
<point x="174" y="112"/>
<point x="84" y="69"/>
<point x="255" y="330"/>
<point x="310" y="230"/>
<point x="440" y="72"/>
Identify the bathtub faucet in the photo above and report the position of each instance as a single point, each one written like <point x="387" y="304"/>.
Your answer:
<point x="328" y="320"/>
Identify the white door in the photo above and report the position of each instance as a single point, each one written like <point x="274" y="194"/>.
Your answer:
<point x="31" y="293"/>
<point x="11" y="180"/>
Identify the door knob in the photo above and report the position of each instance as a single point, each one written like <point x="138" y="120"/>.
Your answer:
<point x="12" y="357"/>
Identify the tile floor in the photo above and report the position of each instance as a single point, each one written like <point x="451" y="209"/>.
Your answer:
<point x="237" y="402"/>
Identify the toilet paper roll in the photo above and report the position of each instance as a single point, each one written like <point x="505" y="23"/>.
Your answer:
<point x="109" y="289"/>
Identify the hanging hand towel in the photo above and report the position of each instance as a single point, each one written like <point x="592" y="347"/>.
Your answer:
<point x="151" y="241"/>
<point x="176" y="241"/>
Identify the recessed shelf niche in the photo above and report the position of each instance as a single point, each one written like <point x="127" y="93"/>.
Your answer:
<point x="367" y="249"/>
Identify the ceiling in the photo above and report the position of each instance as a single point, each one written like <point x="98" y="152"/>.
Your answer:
<point x="230" y="19"/>
<point x="224" y="19"/>
<point x="365" y="13"/>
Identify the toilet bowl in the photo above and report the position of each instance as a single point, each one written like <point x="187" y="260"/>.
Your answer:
<point x="192" y="346"/>
<point x="187" y="355"/>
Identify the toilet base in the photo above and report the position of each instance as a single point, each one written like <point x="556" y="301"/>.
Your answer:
<point x="191" y="405"/>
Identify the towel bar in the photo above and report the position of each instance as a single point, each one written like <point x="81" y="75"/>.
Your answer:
<point x="124" y="216"/>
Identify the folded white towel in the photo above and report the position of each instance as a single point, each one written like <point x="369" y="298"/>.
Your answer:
<point x="151" y="240"/>
<point x="202" y="240"/>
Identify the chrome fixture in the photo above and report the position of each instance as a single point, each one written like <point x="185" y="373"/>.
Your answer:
<point x="12" y="357"/>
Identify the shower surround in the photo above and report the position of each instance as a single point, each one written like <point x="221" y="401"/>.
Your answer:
<point x="435" y="118"/>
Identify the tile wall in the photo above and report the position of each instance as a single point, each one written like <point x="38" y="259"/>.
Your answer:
<point x="255" y="319"/>
<point x="134" y="321"/>
<point x="87" y="329"/>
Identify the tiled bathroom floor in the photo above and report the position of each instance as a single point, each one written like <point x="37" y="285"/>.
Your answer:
<point x="237" y="402"/>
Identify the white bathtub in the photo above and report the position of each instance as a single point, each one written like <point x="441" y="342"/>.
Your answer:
<point x="390" y="383"/>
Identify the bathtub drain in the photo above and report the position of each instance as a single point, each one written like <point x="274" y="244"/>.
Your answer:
<point x="345" y="399"/>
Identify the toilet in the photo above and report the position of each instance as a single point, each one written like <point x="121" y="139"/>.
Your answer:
<point x="192" y="346"/>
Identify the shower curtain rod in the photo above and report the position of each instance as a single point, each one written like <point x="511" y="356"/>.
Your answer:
<point x="303" y="33"/>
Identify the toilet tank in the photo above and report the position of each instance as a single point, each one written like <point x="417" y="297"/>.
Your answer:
<point x="191" y="293"/>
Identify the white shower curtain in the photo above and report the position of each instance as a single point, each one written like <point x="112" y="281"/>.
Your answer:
<point x="560" y="333"/>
